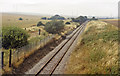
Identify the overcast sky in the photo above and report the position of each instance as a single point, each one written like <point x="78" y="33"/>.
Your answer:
<point x="62" y="7"/>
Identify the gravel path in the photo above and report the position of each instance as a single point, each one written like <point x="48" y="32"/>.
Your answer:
<point x="62" y="65"/>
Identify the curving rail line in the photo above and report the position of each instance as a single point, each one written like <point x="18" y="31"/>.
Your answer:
<point x="51" y="63"/>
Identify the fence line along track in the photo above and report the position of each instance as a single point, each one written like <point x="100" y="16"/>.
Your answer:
<point x="22" y="52"/>
<point x="53" y="62"/>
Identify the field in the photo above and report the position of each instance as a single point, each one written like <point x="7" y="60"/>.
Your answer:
<point x="112" y="21"/>
<point x="97" y="50"/>
<point x="29" y="24"/>
<point x="13" y="20"/>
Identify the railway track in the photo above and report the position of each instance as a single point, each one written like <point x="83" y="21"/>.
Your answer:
<point x="51" y="63"/>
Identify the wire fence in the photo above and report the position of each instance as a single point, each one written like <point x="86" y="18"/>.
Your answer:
<point x="23" y="52"/>
<point x="11" y="58"/>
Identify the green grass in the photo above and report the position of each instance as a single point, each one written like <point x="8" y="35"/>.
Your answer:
<point x="105" y="36"/>
<point x="96" y="55"/>
<point x="36" y="39"/>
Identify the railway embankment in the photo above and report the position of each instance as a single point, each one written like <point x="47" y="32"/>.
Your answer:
<point x="96" y="52"/>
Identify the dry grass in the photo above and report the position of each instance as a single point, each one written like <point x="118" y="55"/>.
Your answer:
<point x="28" y="22"/>
<point x="97" y="51"/>
<point x="69" y="27"/>
<point x="13" y="20"/>
<point x="18" y="59"/>
<point x="112" y="21"/>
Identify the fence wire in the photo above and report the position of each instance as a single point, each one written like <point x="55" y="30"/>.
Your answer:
<point x="25" y="51"/>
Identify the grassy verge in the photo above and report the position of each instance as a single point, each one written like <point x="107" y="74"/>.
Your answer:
<point x="97" y="51"/>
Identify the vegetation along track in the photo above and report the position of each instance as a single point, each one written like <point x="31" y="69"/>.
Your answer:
<point x="53" y="61"/>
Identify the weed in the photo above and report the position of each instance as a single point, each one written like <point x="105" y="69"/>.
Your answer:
<point x="96" y="55"/>
<point x="94" y="50"/>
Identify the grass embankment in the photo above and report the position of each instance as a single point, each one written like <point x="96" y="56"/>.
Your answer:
<point x="97" y="50"/>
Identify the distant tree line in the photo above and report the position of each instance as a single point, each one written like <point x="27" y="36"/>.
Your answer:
<point x="56" y="17"/>
<point x="93" y="18"/>
<point x="57" y="25"/>
<point x="82" y="19"/>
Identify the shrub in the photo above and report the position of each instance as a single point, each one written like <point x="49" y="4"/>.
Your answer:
<point x="40" y="24"/>
<point x="13" y="37"/>
<point x="67" y="23"/>
<point x="44" y="18"/>
<point x="20" y="19"/>
<point x="54" y="26"/>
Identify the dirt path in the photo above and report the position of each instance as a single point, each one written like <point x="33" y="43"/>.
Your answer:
<point x="29" y="62"/>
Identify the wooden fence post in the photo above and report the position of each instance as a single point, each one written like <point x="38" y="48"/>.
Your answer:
<point x="39" y="31"/>
<point x="10" y="56"/>
<point x="2" y="59"/>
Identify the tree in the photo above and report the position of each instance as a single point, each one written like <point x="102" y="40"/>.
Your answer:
<point x="13" y="37"/>
<point x="40" y="24"/>
<point x="54" y="27"/>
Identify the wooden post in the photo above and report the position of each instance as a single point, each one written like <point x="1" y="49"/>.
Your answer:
<point x="2" y="55"/>
<point x="39" y="31"/>
<point x="10" y="56"/>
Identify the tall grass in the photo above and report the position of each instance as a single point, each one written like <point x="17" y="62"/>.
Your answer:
<point x="97" y="52"/>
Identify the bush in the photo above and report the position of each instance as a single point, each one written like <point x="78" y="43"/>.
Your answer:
<point x="54" y="26"/>
<point x="67" y="23"/>
<point x="20" y="19"/>
<point x="44" y="18"/>
<point x="13" y="37"/>
<point x="40" y="24"/>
